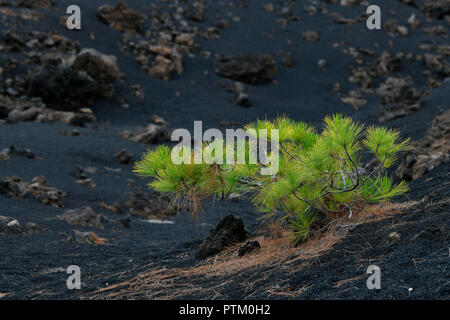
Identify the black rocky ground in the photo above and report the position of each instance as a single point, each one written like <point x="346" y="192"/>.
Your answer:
<point x="170" y="62"/>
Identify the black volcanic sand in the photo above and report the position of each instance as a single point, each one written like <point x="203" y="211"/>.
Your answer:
<point x="33" y="266"/>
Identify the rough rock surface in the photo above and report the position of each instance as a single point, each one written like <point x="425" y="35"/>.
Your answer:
<point x="83" y="217"/>
<point x="429" y="152"/>
<point x="121" y="17"/>
<point x="195" y="12"/>
<point x="73" y="82"/>
<point x="124" y="157"/>
<point x="102" y="68"/>
<point x="169" y="38"/>
<point x="168" y="62"/>
<point x="229" y="231"/>
<point x="310" y="36"/>
<point x="247" y="69"/>
<point x="396" y="90"/>
<point x="154" y="133"/>
<point x="401" y="95"/>
<point x="10" y="225"/>
<point x="60" y="86"/>
<point x="38" y="188"/>
<point x="24" y="109"/>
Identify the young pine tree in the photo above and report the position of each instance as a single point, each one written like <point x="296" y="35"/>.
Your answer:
<point x="319" y="173"/>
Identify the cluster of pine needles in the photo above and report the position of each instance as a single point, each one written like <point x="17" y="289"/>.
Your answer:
<point x="320" y="174"/>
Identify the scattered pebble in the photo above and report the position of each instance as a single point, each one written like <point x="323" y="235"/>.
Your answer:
<point x="310" y="36"/>
<point x="124" y="157"/>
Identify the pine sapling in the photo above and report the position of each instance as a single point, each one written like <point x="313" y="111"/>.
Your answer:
<point x="319" y="176"/>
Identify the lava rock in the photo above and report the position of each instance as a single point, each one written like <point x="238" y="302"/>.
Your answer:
<point x="426" y="163"/>
<point x="25" y="115"/>
<point x="124" y="157"/>
<point x="403" y="95"/>
<point x="31" y="226"/>
<point x="142" y="205"/>
<point x="115" y="207"/>
<point x="33" y="109"/>
<point x="247" y="69"/>
<point x="102" y="68"/>
<point x="241" y="99"/>
<point x="437" y="8"/>
<point x="195" y="12"/>
<point x="397" y="90"/>
<point x="229" y="231"/>
<point x="156" y="132"/>
<point x="14" y="224"/>
<point x="10" y="225"/>
<point x="59" y="86"/>
<point x="429" y="152"/>
<point x="126" y="221"/>
<point x="87" y="238"/>
<point x="83" y="217"/>
<point x="73" y="82"/>
<point x="167" y="62"/>
<point x="322" y="63"/>
<point x="38" y="188"/>
<point x="79" y="173"/>
<point x="355" y="98"/>
<point x="248" y="247"/>
<point x="121" y="17"/>
<point x="287" y="60"/>
<point x="310" y="36"/>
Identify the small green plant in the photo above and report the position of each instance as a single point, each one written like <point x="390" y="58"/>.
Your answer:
<point x="319" y="174"/>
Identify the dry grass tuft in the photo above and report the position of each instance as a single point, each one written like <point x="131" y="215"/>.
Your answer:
<point x="276" y="230"/>
<point x="349" y="280"/>
<point x="383" y="210"/>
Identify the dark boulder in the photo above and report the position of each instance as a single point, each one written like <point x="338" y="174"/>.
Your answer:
<point x="230" y="230"/>
<point x="100" y="67"/>
<point x="60" y="86"/>
<point x="73" y="82"/>
<point x="247" y="69"/>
